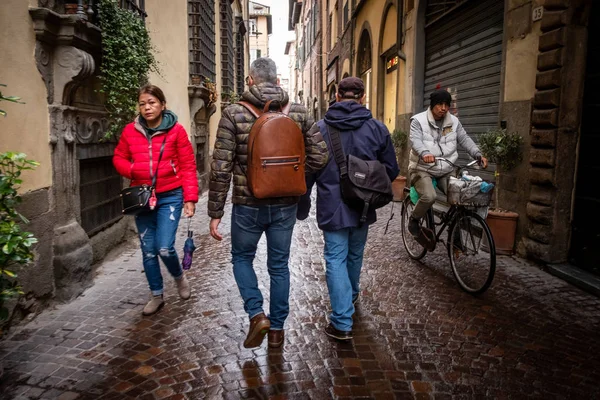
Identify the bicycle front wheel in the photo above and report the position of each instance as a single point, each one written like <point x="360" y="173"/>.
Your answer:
<point x="413" y="248"/>
<point x="472" y="252"/>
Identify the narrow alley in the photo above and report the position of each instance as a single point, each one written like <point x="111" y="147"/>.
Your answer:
<point x="417" y="335"/>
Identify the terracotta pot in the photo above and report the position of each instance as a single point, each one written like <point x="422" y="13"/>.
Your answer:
<point x="398" y="186"/>
<point x="504" y="227"/>
<point x="196" y="80"/>
<point x="71" y="8"/>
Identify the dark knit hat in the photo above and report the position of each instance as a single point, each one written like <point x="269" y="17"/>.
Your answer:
<point x="439" y="96"/>
<point x="351" y="88"/>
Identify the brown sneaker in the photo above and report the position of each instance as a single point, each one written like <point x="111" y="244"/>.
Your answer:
<point x="276" y="338"/>
<point x="183" y="287"/>
<point x="259" y="326"/>
<point x="154" y="305"/>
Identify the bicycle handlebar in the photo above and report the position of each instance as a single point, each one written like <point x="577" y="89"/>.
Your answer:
<point x="470" y="164"/>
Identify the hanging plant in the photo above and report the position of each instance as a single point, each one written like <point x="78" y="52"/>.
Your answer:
<point x="127" y="57"/>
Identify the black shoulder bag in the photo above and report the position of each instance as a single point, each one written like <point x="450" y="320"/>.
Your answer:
<point x="137" y="199"/>
<point x="365" y="184"/>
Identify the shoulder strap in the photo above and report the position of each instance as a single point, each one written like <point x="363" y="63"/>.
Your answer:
<point x="286" y="109"/>
<point x="338" y="150"/>
<point x="162" y="149"/>
<point x="257" y="113"/>
<point x="251" y="107"/>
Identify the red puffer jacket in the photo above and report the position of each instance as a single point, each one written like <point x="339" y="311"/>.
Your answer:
<point x="136" y="155"/>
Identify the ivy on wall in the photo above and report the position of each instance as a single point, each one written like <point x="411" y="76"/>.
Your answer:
<point x="127" y="57"/>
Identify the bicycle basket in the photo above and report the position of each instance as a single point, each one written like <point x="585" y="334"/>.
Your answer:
<point x="467" y="193"/>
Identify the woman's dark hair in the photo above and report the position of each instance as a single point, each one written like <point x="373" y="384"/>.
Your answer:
<point x="154" y="91"/>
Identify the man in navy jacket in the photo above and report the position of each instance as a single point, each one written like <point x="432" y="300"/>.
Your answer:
<point x="344" y="236"/>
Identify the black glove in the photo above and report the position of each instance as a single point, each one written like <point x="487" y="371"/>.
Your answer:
<point x="478" y="158"/>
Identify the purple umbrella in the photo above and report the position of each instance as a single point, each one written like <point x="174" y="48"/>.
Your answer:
<point x="188" y="248"/>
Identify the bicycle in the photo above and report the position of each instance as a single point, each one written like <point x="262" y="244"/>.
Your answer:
<point x="470" y="244"/>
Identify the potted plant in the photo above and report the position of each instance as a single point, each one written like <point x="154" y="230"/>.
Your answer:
<point x="399" y="140"/>
<point x="15" y="243"/>
<point x="505" y="150"/>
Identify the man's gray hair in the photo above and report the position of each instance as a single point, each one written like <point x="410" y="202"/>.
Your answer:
<point x="264" y="70"/>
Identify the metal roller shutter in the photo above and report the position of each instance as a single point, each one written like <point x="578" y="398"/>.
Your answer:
<point x="463" y="53"/>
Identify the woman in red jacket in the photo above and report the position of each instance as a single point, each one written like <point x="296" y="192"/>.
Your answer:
<point x="136" y="157"/>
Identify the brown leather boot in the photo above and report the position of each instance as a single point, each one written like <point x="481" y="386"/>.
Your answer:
<point x="276" y="338"/>
<point x="154" y="305"/>
<point x="259" y="326"/>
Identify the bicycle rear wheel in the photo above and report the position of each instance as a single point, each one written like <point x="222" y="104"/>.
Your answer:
<point x="472" y="252"/>
<point x="413" y="248"/>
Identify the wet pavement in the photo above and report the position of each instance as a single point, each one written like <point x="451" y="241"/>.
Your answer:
<point x="417" y="335"/>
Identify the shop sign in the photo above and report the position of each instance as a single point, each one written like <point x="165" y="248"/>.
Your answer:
<point x="392" y="64"/>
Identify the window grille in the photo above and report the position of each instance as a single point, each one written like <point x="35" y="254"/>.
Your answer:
<point x="227" y="55"/>
<point x="201" y="20"/>
<point x="239" y="58"/>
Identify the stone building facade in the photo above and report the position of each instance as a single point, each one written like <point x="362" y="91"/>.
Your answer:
<point x="525" y="65"/>
<point x="72" y="198"/>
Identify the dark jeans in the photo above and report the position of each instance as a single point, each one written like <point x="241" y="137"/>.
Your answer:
<point x="247" y="226"/>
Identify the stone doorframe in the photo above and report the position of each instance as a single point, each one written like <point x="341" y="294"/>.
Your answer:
<point x="201" y="109"/>
<point x="555" y="128"/>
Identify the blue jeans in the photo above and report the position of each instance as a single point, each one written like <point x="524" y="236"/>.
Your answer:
<point x="157" y="230"/>
<point x="247" y="226"/>
<point x="344" y="251"/>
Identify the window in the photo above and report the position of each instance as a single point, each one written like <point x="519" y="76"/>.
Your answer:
<point x="239" y="56"/>
<point x="201" y="34"/>
<point x="254" y="54"/>
<point x="346" y="12"/>
<point x="252" y="26"/>
<point x="227" y="65"/>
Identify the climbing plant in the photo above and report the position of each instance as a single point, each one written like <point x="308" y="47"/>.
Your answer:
<point x="127" y="57"/>
<point x="15" y="244"/>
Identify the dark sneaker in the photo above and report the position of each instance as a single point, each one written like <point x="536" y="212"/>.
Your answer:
<point x="259" y="326"/>
<point x="276" y="338"/>
<point x="337" y="334"/>
<point x="414" y="226"/>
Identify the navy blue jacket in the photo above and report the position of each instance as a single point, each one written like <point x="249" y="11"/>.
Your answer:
<point x="362" y="136"/>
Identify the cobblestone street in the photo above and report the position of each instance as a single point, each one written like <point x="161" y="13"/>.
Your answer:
<point x="417" y="335"/>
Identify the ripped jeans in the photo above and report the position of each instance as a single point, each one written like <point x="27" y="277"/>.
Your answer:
<point x="157" y="231"/>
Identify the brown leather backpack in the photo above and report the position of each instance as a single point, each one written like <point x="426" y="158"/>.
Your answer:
<point x="276" y="153"/>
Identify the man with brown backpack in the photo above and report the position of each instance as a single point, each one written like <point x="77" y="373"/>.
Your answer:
<point x="267" y="143"/>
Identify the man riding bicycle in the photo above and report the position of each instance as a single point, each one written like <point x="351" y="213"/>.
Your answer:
<point x="435" y="133"/>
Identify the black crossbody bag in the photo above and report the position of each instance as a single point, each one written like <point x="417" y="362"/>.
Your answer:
<point x="365" y="184"/>
<point x="137" y="199"/>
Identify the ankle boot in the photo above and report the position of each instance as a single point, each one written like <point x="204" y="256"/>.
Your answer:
<point x="183" y="286"/>
<point x="155" y="304"/>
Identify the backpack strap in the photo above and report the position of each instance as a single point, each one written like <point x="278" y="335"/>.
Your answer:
<point x="251" y="107"/>
<point x="286" y="109"/>
<point x="338" y="150"/>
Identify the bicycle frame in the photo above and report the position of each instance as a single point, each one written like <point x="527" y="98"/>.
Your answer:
<point x="449" y="216"/>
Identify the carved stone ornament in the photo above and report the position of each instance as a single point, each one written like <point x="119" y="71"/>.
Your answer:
<point x="91" y="128"/>
<point x="71" y="67"/>
<point x="62" y="124"/>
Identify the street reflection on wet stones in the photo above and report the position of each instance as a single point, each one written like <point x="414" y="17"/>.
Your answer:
<point x="416" y="334"/>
